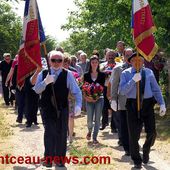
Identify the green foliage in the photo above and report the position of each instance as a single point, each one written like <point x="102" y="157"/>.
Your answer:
<point x="10" y="30"/>
<point x="50" y="44"/>
<point x="163" y="81"/>
<point x="97" y="24"/>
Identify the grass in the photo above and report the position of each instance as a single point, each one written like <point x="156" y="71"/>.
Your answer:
<point x="163" y="127"/>
<point x="5" y="130"/>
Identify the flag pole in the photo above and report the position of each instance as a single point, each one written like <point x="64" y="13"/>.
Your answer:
<point x="138" y="86"/>
<point x="52" y="87"/>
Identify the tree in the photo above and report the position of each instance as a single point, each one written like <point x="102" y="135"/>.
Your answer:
<point x="10" y="30"/>
<point x="51" y="43"/>
<point x="98" y="24"/>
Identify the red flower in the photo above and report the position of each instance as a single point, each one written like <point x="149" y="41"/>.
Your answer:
<point x="92" y="90"/>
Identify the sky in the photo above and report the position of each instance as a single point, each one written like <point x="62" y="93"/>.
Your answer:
<point x="53" y="15"/>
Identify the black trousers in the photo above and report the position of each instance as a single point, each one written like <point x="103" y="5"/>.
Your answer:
<point x="147" y="118"/>
<point x="105" y="117"/>
<point x="105" y="108"/>
<point x="124" y="129"/>
<point x="5" y="93"/>
<point x="31" y="106"/>
<point x="55" y="136"/>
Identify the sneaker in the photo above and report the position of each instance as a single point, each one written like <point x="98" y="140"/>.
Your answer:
<point x="88" y="137"/>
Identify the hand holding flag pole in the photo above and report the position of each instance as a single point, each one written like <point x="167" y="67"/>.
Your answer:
<point x="138" y="86"/>
<point x="142" y="29"/>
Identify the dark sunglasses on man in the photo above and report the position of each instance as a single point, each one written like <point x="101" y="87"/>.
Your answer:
<point x="53" y="60"/>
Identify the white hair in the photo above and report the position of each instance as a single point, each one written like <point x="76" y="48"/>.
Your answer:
<point x="83" y="54"/>
<point x="54" y="52"/>
<point x="6" y="54"/>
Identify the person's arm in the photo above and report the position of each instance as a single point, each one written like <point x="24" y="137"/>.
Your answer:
<point x="115" y="80"/>
<point x="9" y="76"/>
<point x="40" y="84"/>
<point x="33" y="79"/>
<point x="156" y="90"/>
<point x="74" y="89"/>
<point x="125" y="86"/>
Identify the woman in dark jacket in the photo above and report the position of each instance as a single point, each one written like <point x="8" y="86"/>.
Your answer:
<point x="94" y="106"/>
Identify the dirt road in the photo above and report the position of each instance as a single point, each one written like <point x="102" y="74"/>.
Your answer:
<point x="29" y="142"/>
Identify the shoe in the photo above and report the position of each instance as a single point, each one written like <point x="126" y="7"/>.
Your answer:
<point x="47" y="165"/>
<point x="19" y="120"/>
<point x="119" y="143"/>
<point x="138" y="166"/>
<point x="145" y="158"/>
<point x="103" y="127"/>
<point x="36" y="123"/>
<point x="95" y="142"/>
<point x="60" y="165"/>
<point x="74" y="133"/>
<point x="127" y="153"/>
<point x="88" y="137"/>
<point x="113" y="130"/>
<point x="28" y="125"/>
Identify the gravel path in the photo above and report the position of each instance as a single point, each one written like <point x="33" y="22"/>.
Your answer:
<point x="29" y="142"/>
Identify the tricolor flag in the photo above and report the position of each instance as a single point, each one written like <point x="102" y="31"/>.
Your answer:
<point x="32" y="36"/>
<point x="143" y="28"/>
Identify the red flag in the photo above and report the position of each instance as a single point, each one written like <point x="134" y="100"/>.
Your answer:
<point x="29" y="53"/>
<point x="143" y="29"/>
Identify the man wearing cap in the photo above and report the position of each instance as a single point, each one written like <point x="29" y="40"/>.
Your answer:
<point x="5" y="67"/>
<point x="118" y="101"/>
<point x="149" y="93"/>
<point x="55" y="136"/>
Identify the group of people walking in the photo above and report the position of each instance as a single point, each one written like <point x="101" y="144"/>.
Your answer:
<point x="60" y="99"/>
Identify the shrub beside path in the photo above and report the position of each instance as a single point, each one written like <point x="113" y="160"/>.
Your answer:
<point x="29" y="142"/>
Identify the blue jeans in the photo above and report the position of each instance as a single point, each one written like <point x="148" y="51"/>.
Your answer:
<point x="94" y="109"/>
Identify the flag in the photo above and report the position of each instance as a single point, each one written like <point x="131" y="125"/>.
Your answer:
<point x="32" y="36"/>
<point x="143" y="28"/>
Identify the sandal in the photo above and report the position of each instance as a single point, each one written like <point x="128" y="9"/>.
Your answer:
<point x="88" y="137"/>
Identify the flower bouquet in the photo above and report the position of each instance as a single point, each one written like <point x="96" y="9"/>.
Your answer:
<point x="93" y="90"/>
<point x="79" y="82"/>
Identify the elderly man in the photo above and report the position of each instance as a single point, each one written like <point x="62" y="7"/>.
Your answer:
<point x="55" y="136"/>
<point x="5" y="67"/>
<point x="119" y="101"/>
<point x="84" y="63"/>
<point x="149" y="92"/>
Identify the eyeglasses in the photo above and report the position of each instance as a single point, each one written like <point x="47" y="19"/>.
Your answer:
<point x="53" y="60"/>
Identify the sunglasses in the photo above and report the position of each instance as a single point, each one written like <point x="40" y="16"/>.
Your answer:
<point x="53" y="60"/>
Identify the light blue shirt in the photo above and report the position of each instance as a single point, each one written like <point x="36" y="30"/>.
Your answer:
<point x="71" y="85"/>
<point x="127" y="85"/>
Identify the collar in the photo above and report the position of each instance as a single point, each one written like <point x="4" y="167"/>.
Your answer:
<point x="53" y="71"/>
<point x="134" y="70"/>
